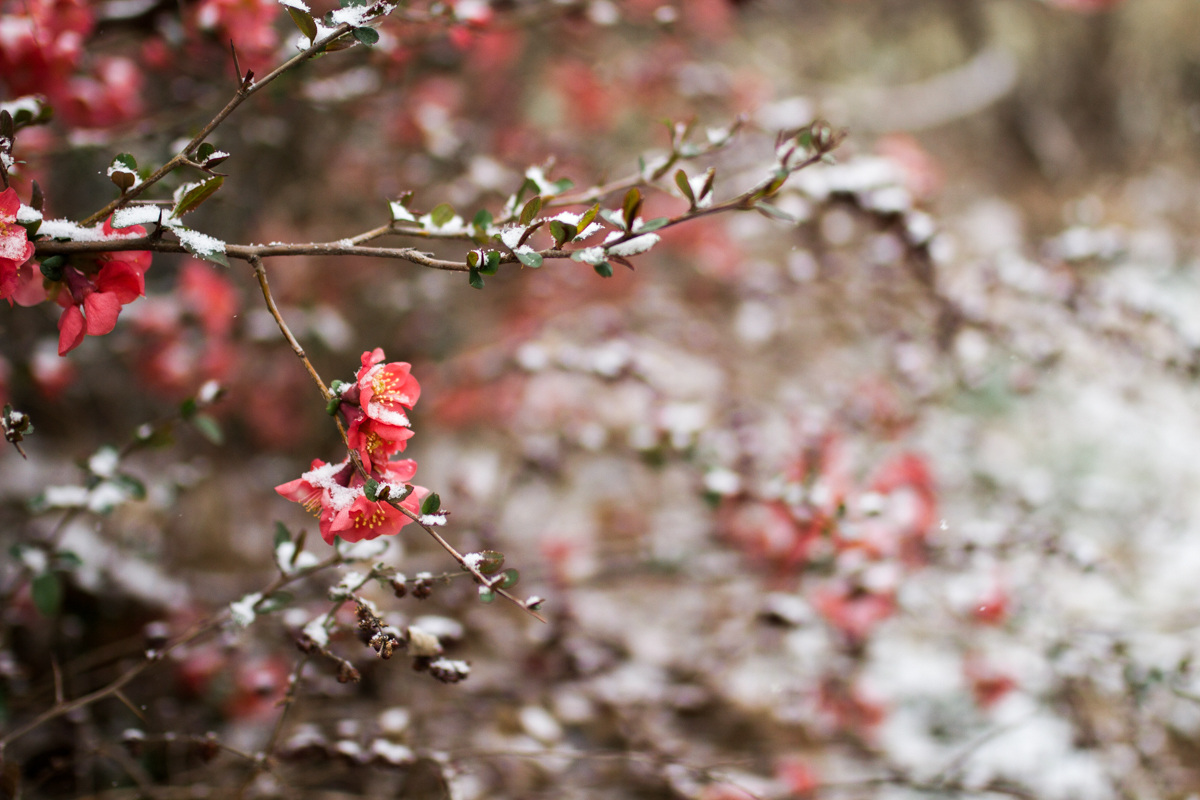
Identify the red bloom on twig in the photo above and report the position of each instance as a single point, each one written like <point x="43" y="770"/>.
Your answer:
<point x="15" y="247"/>
<point x="383" y="391"/>
<point x="92" y="303"/>
<point x="334" y="493"/>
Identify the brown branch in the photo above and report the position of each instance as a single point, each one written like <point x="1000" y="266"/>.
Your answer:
<point x="480" y="578"/>
<point x="260" y="272"/>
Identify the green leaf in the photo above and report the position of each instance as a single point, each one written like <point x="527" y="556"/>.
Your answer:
<point x="491" y="263"/>
<point x="52" y="268"/>
<point x="367" y="36"/>
<point x="486" y="595"/>
<point x="482" y="219"/>
<point x="475" y="279"/>
<point x="67" y="560"/>
<point x="432" y="504"/>
<point x="558" y="232"/>
<point x="136" y="489"/>
<point x="653" y="224"/>
<point x="531" y="210"/>
<point x="773" y="212"/>
<point x="197" y="194"/>
<point x="442" y="214"/>
<point x="472" y="259"/>
<point x="209" y="428"/>
<point x="304" y="22"/>
<point x="631" y="206"/>
<point x="562" y="185"/>
<point x="681" y="180"/>
<point x="528" y="184"/>
<point x="47" y="593"/>
<point x="588" y="217"/>
<point x="282" y="534"/>
<point x="509" y="578"/>
<point x="530" y="259"/>
<point x="371" y="490"/>
<point x="274" y="602"/>
<point x="613" y="218"/>
<point x="603" y="269"/>
<point x="205" y="150"/>
<point x="188" y="408"/>
<point x="124" y="173"/>
<point x="491" y="563"/>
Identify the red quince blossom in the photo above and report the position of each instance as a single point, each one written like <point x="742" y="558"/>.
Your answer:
<point x="91" y="294"/>
<point x="15" y="247"/>
<point x="379" y="426"/>
<point x="334" y="494"/>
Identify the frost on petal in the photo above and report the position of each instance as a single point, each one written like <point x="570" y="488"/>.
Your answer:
<point x="242" y="612"/>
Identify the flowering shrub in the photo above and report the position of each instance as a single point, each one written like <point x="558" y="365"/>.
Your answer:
<point x="780" y="424"/>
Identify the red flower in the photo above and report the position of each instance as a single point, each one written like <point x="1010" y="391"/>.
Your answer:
<point x="92" y="304"/>
<point x="334" y="494"/>
<point x="379" y="426"/>
<point x="385" y="390"/>
<point x="15" y="247"/>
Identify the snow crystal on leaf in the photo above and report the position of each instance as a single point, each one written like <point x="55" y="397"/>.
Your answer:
<point x="591" y="230"/>
<point x="199" y="243"/>
<point x="400" y="213"/>
<point x="72" y="231"/>
<point x="242" y="612"/>
<point x="351" y="582"/>
<point x="392" y="753"/>
<point x="638" y="244"/>
<point x="510" y="236"/>
<point x="136" y="215"/>
<point x="103" y="462"/>
<point x="433" y="520"/>
<point x="316" y="631"/>
<point x="65" y="496"/>
<point x="454" y="225"/>
<point x="299" y="5"/>
<point x="27" y="214"/>
<point x="590" y="255"/>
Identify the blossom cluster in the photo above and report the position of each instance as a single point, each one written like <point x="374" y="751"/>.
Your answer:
<point x="374" y="407"/>
<point x="90" y="288"/>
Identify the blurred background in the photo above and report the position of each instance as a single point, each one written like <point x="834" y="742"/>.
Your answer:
<point x="894" y="498"/>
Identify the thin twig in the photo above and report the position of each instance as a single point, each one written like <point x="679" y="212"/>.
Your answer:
<point x="153" y="657"/>
<point x="244" y="92"/>
<point x="260" y="272"/>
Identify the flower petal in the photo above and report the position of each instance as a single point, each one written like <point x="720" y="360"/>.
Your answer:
<point x="70" y="330"/>
<point x="102" y="309"/>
